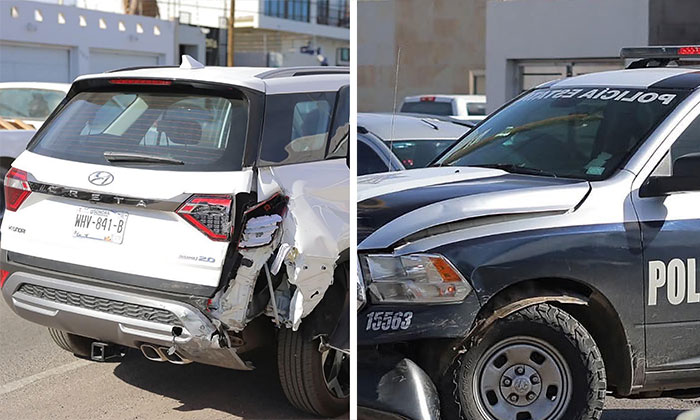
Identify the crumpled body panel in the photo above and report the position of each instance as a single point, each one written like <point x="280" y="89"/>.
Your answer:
<point x="316" y="226"/>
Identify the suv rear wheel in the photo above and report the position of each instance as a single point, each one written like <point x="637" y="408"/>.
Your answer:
<point x="313" y="379"/>
<point x="76" y="344"/>
<point x="538" y="363"/>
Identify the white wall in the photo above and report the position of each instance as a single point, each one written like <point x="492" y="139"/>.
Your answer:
<point x="25" y="34"/>
<point x="556" y="29"/>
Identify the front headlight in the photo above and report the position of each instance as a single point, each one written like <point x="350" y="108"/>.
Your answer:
<point x="415" y="278"/>
<point x="361" y="297"/>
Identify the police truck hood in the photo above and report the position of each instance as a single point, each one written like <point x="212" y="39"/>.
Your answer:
<point x="392" y="206"/>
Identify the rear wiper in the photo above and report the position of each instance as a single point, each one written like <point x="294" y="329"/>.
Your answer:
<point x="515" y="169"/>
<point x="141" y="158"/>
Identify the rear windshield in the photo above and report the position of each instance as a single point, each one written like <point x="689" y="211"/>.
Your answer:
<point x="30" y="104"/>
<point x="476" y="108"/>
<point x="584" y="133"/>
<point x="428" y="107"/>
<point x="171" y="131"/>
<point x="418" y="153"/>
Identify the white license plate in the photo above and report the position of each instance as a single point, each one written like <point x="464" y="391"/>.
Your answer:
<point x="105" y="225"/>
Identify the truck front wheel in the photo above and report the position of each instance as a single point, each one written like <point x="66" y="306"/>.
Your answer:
<point x="538" y="363"/>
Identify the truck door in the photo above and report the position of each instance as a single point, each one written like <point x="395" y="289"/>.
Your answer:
<point x="671" y="254"/>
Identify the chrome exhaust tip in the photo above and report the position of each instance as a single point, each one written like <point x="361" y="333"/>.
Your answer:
<point x="175" y="358"/>
<point x="152" y="353"/>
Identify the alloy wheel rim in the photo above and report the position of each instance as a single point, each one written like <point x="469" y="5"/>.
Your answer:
<point x="335" y="365"/>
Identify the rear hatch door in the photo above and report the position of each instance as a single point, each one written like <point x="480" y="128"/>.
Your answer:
<point x="133" y="185"/>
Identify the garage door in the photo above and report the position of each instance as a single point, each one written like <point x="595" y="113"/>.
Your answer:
<point x="33" y="64"/>
<point x="101" y="60"/>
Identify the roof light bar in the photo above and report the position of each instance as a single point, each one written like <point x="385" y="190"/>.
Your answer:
<point x="158" y="82"/>
<point x="687" y="51"/>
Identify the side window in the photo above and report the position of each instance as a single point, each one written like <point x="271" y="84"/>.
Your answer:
<point x="340" y="128"/>
<point x="368" y="162"/>
<point x="296" y="127"/>
<point x="687" y="142"/>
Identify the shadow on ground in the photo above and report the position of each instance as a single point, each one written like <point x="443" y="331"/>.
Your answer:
<point x="248" y="394"/>
<point x="640" y="414"/>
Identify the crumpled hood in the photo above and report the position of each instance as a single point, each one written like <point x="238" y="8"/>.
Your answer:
<point x="394" y="205"/>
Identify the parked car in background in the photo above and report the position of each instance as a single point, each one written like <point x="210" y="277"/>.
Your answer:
<point x="415" y="139"/>
<point x="24" y="106"/>
<point x="30" y="102"/>
<point x="465" y="107"/>
<point x="373" y="156"/>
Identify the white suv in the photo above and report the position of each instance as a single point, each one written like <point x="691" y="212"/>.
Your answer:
<point x="160" y="208"/>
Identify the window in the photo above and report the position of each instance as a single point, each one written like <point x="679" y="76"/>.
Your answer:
<point x="196" y="132"/>
<point x="476" y="108"/>
<point x="32" y="104"/>
<point x="296" y="127"/>
<point x="418" y="153"/>
<point x="583" y="133"/>
<point x="288" y="9"/>
<point x="368" y="161"/>
<point x="340" y="130"/>
<point x="477" y="82"/>
<point x="428" y="107"/>
<point x="688" y="142"/>
<point x="336" y="13"/>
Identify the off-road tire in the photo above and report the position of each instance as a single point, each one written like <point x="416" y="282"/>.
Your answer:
<point x="544" y="322"/>
<point x="76" y="344"/>
<point x="301" y="375"/>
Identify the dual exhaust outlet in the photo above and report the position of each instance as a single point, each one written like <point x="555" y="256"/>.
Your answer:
<point x="162" y="354"/>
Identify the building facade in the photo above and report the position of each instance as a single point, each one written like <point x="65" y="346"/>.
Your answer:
<point x="441" y="43"/>
<point x="268" y="32"/>
<point x="529" y="42"/>
<point x="56" y="43"/>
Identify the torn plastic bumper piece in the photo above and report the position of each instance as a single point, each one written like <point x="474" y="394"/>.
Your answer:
<point x="395" y="387"/>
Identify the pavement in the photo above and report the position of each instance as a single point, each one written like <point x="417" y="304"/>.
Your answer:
<point x="40" y="381"/>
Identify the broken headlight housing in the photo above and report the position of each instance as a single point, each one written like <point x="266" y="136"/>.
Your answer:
<point x="413" y="278"/>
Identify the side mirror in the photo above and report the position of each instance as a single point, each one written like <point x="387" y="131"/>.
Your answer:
<point x="685" y="178"/>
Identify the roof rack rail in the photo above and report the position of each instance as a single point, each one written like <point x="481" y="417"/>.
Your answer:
<point x="301" y="71"/>
<point x="141" y="68"/>
<point x="659" y="56"/>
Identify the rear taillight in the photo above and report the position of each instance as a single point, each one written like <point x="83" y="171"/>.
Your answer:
<point x="211" y="214"/>
<point x="16" y="189"/>
<point x="3" y="277"/>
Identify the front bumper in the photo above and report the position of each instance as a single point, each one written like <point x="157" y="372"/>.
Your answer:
<point x="115" y="316"/>
<point x="393" y="387"/>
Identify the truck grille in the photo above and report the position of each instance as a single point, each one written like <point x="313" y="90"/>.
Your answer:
<point x="130" y="310"/>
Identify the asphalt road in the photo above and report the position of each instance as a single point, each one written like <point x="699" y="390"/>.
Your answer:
<point x="40" y="381"/>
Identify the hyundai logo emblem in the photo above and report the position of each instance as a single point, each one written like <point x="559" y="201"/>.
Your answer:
<point x="101" y="178"/>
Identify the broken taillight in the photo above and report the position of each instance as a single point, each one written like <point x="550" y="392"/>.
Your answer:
<point x="16" y="189"/>
<point x="210" y="214"/>
<point x="261" y="221"/>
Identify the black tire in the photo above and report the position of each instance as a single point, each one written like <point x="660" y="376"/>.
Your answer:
<point x="76" y="344"/>
<point x="544" y="324"/>
<point x="299" y="363"/>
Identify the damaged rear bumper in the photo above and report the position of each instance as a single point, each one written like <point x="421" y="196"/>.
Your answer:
<point x="117" y="316"/>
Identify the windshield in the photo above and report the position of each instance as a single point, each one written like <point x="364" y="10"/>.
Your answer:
<point x="31" y="104"/>
<point x="584" y="133"/>
<point x="418" y="153"/>
<point x="196" y="132"/>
